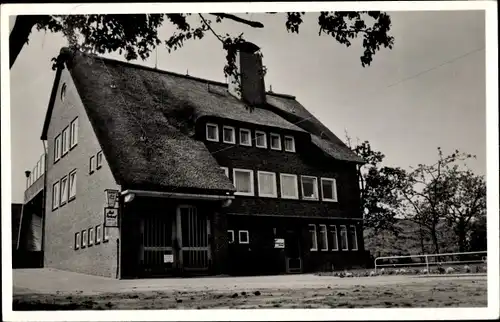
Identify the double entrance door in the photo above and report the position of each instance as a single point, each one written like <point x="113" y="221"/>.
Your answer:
<point x="175" y="242"/>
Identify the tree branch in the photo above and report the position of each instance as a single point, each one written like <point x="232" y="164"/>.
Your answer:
<point x="210" y="27"/>
<point x="254" y="24"/>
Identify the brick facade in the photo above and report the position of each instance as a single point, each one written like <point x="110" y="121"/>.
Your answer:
<point x="86" y="210"/>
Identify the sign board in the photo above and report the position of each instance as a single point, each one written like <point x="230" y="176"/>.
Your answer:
<point x="110" y="217"/>
<point x="111" y="197"/>
<point x="168" y="258"/>
<point x="279" y="243"/>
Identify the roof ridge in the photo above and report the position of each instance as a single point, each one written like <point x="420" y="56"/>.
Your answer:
<point x="66" y="50"/>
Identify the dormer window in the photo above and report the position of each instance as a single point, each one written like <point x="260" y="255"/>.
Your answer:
<point x="245" y="137"/>
<point x="228" y="134"/>
<point x="260" y="139"/>
<point x="212" y="132"/>
<point x="289" y="144"/>
<point x="275" y="141"/>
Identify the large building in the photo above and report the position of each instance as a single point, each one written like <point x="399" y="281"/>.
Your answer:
<point x="210" y="178"/>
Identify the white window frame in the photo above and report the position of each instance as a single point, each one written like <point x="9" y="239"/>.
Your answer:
<point x="56" y="194"/>
<point x="65" y="141"/>
<point x="249" y="137"/>
<point x="333" y="230"/>
<point x="296" y="186"/>
<point x="233" y="134"/>
<point x="98" y="161"/>
<point x="84" y="238"/>
<point x="334" y="190"/>
<point x="344" y="236"/>
<point x="275" y="188"/>
<point x="216" y="132"/>
<point x="230" y="231"/>
<point x="73" y="134"/>
<point x="315" y="187"/>
<point x="293" y="143"/>
<point x="353" y="227"/>
<point x="314" y="247"/>
<point x="61" y="201"/>
<point x="71" y="196"/>
<point x="271" y="135"/>
<point x="98" y="234"/>
<point x="92" y="164"/>
<point x="91" y="236"/>
<point x="252" y="185"/>
<point x="63" y="92"/>
<point x="226" y="171"/>
<point x="105" y="233"/>
<point x="77" y="241"/>
<point x="264" y="134"/>
<point x="57" y="148"/>
<point x="323" y="233"/>
<point x="239" y="237"/>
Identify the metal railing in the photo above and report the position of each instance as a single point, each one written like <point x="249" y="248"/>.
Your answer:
<point x="427" y="259"/>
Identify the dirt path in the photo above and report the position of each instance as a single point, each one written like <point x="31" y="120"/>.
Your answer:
<point x="413" y="293"/>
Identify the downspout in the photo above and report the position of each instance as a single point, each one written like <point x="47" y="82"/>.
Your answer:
<point x="44" y="197"/>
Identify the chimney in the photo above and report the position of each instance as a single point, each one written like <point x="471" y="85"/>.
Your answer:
<point x="249" y="86"/>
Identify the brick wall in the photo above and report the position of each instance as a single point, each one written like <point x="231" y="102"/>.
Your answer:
<point x="86" y="210"/>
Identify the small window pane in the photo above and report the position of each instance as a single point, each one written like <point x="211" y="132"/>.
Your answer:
<point x="98" y="234"/>
<point x="77" y="240"/>
<point x="243" y="182"/>
<point x="267" y="184"/>
<point x="92" y="164"/>
<point x="329" y="189"/>
<point x="74" y="132"/>
<point x="230" y="236"/>
<point x="55" y="195"/>
<point x="309" y="188"/>
<point x="314" y="238"/>
<point x="289" y="186"/>
<point x="335" y="245"/>
<point x="99" y="159"/>
<point x="212" y="132"/>
<point x="323" y="238"/>
<point x="289" y="144"/>
<point x="275" y="142"/>
<point x="65" y="140"/>
<point x="228" y="134"/>
<point x="72" y="184"/>
<point x="354" y="238"/>
<point x="84" y="238"/>
<point x="245" y="138"/>
<point x="343" y="238"/>
<point x="260" y="139"/>
<point x="64" y="190"/>
<point x="244" y="237"/>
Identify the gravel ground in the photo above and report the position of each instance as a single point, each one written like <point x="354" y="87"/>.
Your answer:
<point x="48" y="289"/>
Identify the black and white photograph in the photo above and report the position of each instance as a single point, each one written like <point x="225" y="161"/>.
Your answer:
<point x="250" y="161"/>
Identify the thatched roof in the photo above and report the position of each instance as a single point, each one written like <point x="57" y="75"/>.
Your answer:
<point x="145" y="119"/>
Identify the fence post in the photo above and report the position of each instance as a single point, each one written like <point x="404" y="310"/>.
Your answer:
<point x="427" y="264"/>
<point x="375" y="263"/>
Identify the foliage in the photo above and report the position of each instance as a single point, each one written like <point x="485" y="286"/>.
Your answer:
<point x="137" y="35"/>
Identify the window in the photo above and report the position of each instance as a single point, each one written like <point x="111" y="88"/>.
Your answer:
<point x="354" y="238"/>
<point x="65" y="141"/>
<point x="226" y="171"/>
<point x="84" y="238"/>
<point x="74" y="132"/>
<point x="228" y="134"/>
<point x="329" y="189"/>
<point x="289" y="144"/>
<point x="343" y="238"/>
<point x="77" y="240"/>
<point x="99" y="160"/>
<point x="244" y="237"/>
<point x="267" y="184"/>
<point x="98" y="234"/>
<point x="55" y="195"/>
<point x="245" y="137"/>
<point x="91" y="236"/>
<point x="309" y="187"/>
<point x="289" y="187"/>
<point x="57" y="148"/>
<point x="212" y="132"/>
<point x="275" y="141"/>
<point x="63" y="92"/>
<point x="64" y="190"/>
<point x="335" y="244"/>
<point x="72" y="185"/>
<point x="243" y="182"/>
<point x="314" y="238"/>
<point x="230" y="236"/>
<point x="323" y="238"/>
<point x="260" y="139"/>
<point x="92" y="164"/>
<point x="106" y="234"/>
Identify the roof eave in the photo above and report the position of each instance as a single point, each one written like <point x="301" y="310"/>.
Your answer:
<point x="52" y="99"/>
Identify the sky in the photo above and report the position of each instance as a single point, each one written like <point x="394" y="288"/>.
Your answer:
<point x="427" y="92"/>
